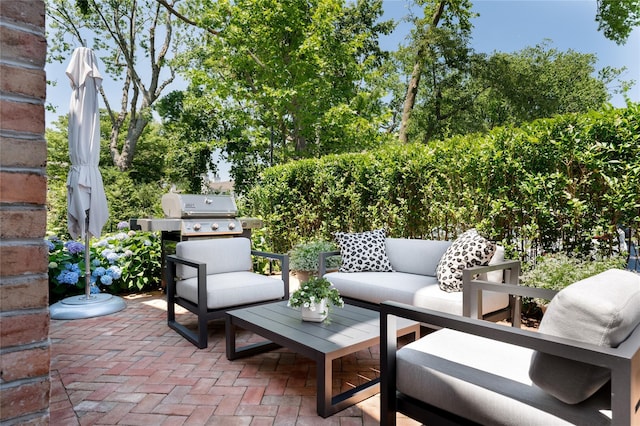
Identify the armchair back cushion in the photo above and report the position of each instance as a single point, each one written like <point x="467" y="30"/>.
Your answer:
<point x="220" y="254"/>
<point x="602" y="310"/>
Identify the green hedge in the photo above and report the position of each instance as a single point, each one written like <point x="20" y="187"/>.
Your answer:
<point x="550" y="185"/>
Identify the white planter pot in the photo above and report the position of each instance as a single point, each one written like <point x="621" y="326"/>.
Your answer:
<point x="318" y="314"/>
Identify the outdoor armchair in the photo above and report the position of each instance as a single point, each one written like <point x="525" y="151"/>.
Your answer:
<point x="209" y="277"/>
<point x="472" y="371"/>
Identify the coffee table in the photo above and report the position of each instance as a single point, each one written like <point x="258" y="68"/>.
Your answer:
<point x="351" y="329"/>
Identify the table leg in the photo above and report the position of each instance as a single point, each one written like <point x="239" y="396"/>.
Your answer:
<point x="234" y="352"/>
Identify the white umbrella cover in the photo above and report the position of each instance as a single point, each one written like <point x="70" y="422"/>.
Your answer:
<point x="84" y="183"/>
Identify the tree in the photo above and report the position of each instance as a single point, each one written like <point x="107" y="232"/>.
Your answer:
<point x="428" y="39"/>
<point x="617" y="18"/>
<point x="128" y="35"/>
<point x="284" y="79"/>
<point x="508" y="89"/>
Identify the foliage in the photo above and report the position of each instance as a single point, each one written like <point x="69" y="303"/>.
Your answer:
<point x="291" y="80"/>
<point x="120" y="262"/>
<point x="551" y="185"/>
<point x="313" y="291"/>
<point x="617" y="18"/>
<point x="305" y="256"/>
<point x="556" y="271"/>
<point x="135" y="41"/>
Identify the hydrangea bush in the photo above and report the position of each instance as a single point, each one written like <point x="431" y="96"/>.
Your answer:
<point x="123" y="261"/>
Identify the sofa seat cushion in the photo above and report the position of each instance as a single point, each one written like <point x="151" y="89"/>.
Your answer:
<point x="486" y="381"/>
<point x="377" y="287"/>
<point x="223" y="290"/>
<point x="432" y="297"/>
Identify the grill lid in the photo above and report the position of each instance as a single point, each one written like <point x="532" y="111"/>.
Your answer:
<point x="176" y="205"/>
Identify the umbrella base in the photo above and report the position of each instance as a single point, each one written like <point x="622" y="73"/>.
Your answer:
<point x="78" y="307"/>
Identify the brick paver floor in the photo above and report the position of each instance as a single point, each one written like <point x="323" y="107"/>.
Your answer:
<point x="130" y="368"/>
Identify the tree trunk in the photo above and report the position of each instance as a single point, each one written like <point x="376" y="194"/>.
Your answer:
<point x="416" y="74"/>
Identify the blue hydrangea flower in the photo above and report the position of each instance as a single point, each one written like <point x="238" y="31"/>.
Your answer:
<point x="94" y="289"/>
<point x="68" y="277"/>
<point x="74" y="247"/>
<point x="99" y="271"/>
<point x="73" y="267"/>
<point x="106" y="279"/>
<point x="123" y="225"/>
<point x="112" y="257"/>
<point x="114" y="271"/>
<point x="147" y="243"/>
<point x="96" y="262"/>
<point x="50" y="245"/>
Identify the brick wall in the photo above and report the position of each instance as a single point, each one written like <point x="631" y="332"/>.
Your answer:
<point x="24" y="307"/>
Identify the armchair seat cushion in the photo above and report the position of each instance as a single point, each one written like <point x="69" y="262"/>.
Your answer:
<point x="486" y="381"/>
<point x="223" y="290"/>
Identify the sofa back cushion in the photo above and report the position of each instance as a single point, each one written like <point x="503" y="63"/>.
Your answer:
<point x="415" y="256"/>
<point x="220" y="254"/>
<point x="601" y="310"/>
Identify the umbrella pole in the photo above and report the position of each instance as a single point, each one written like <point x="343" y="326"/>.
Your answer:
<point x="87" y="258"/>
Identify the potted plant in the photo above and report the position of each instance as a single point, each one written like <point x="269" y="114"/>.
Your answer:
<point x="303" y="258"/>
<point x="314" y="298"/>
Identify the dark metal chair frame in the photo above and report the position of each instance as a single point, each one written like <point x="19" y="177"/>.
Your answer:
<point x="200" y="338"/>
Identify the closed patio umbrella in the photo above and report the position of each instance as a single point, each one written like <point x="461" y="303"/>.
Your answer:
<point x="87" y="209"/>
<point x="87" y="202"/>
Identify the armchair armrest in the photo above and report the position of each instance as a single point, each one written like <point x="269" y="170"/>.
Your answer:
<point x="511" y="273"/>
<point x="623" y="361"/>
<point x="322" y="261"/>
<point x="284" y="266"/>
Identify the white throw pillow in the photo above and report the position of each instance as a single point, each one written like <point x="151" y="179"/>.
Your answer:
<point x="601" y="310"/>
<point x="363" y="251"/>
<point x="469" y="249"/>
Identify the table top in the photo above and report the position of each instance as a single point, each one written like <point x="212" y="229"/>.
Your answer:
<point x="350" y="328"/>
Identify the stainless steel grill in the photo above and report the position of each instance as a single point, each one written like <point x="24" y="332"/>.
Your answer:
<point x="192" y="215"/>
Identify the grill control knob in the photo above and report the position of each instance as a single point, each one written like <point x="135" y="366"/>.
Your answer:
<point x="232" y="225"/>
<point x="196" y="226"/>
<point x="215" y="226"/>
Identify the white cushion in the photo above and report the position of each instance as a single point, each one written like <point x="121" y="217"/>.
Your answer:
<point x="363" y="251"/>
<point x="495" y="276"/>
<point x="432" y="297"/>
<point x="602" y="310"/>
<point x="233" y="288"/>
<point x="486" y="381"/>
<point x="377" y="287"/>
<point x="415" y="256"/>
<point x="220" y="254"/>
<point x="469" y="249"/>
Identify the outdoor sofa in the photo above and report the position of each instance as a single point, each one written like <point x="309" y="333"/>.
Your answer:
<point x="410" y="276"/>
<point x="581" y="367"/>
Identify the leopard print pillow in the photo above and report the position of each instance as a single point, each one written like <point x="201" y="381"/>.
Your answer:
<point x="469" y="249"/>
<point x="363" y="251"/>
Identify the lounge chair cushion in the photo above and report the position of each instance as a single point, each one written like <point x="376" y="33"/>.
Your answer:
<point x="486" y="381"/>
<point x="601" y="310"/>
<point x="469" y="249"/>
<point x="363" y="251"/>
<point x="230" y="289"/>
<point x="220" y="254"/>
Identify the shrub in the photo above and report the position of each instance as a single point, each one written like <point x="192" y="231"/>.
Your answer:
<point x="120" y="262"/>
<point x="556" y="271"/>
<point x="304" y="256"/>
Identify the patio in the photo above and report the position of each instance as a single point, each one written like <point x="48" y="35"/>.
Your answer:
<point x="129" y="368"/>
